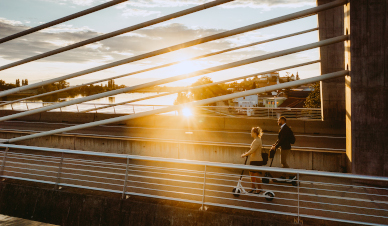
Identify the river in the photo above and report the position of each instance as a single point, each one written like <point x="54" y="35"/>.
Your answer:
<point x="134" y="107"/>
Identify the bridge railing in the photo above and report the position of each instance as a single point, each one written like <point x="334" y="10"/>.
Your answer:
<point x="348" y="198"/>
<point x="229" y="111"/>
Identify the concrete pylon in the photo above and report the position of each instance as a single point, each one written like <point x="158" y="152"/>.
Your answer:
<point x="331" y="24"/>
<point x="367" y="91"/>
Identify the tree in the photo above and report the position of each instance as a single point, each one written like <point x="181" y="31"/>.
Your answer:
<point x="26" y="81"/>
<point x="313" y="100"/>
<point x="17" y="83"/>
<point x="253" y="85"/>
<point x="182" y="98"/>
<point x="62" y="84"/>
<point x="207" y="92"/>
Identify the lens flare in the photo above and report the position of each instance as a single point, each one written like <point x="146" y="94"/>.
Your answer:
<point x="187" y="112"/>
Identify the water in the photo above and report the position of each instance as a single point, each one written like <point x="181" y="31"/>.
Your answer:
<point x="134" y="107"/>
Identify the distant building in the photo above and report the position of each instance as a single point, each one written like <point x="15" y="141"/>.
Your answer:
<point x="296" y="99"/>
<point x="248" y="101"/>
<point x="292" y="78"/>
<point x="270" y="101"/>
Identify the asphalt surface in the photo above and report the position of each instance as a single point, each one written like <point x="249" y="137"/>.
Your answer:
<point x="305" y="141"/>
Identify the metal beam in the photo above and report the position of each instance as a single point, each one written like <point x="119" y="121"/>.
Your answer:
<point x="202" y="86"/>
<point x="181" y="77"/>
<point x="267" y="23"/>
<point x="118" y="32"/>
<point x="161" y="66"/>
<point x="61" y="20"/>
<point x="177" y="107"/>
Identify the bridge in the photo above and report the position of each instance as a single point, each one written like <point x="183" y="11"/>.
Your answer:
<point x="80" y="163"/>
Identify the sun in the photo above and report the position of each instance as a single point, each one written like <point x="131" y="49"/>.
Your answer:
<point x="187" y="112"/>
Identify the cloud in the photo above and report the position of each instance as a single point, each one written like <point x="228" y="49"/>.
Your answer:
<point x="186" y="3"/>
<point x="133" y="43"/>
<point x="76" y="2"/>
<point x="269" y="3"/>
<point x="132" y="12"/>
<point x="234" y="4"/>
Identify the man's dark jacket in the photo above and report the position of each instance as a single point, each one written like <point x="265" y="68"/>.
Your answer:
<point x="284" y="138"/>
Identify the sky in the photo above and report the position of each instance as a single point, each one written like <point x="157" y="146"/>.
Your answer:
<point x="18" y="15"/>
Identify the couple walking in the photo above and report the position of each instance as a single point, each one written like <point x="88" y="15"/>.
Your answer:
<point x="259" y="156"/>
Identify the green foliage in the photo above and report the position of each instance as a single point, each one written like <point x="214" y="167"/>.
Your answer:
<point x="52" y="87"/>
<point x="5" y="86"/>
<point x="313" y="100"/>
<point x="202" y="93"/>
<point x="182" y="98"/>
<point x="207" y="92"/>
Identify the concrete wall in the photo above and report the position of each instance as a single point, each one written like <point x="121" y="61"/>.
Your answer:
<point x="79" y="207"/>
<point x="369" y="86"/>
<point x="334" y="162"/>
<point x="200" y="122"/>
<point x="331" y="24"/>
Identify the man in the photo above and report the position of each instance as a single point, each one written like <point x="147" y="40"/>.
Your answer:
<point x="285" y="138"/>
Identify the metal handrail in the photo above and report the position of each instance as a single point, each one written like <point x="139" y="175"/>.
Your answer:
<point x="201" y="163"/>
<point x="209" y="189"/>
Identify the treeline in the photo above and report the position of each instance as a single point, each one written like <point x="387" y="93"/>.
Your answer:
<point x="226" y="88"/>
<point x="84" y="90"/>
<point x="202" y="93"/>
<point x="5" y="86"/>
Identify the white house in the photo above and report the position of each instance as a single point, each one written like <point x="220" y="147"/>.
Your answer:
<point x="248" y="101"/>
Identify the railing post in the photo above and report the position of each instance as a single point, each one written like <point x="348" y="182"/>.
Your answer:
<point x="59" y="172"/>
<point x="114" y="109"/>
<point x="133" y="109"/>
<point x="27" y="106"/>
<point x="125" y="180"/>
<point x="297" y="181"/>
<point x="204" y="187"/>
<point x="3" y="163"/>
<point x="60" y="109"/>
<point x="12" y="107"/>
<point x="77" y="107"/>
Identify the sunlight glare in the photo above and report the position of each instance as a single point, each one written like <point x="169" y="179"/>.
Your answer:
<point x="186" y="67"/>
<point x="187" y="112"/>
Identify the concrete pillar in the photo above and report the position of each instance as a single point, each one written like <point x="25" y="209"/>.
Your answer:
<point x="331" y="24"/>
<point x="369" y="86"/>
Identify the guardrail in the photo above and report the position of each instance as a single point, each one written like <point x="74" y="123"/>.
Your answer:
<point x="228" y="111"/>
<point x="348" y="198"/>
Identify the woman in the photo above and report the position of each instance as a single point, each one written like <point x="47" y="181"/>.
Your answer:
<point x="258" y="158"/>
